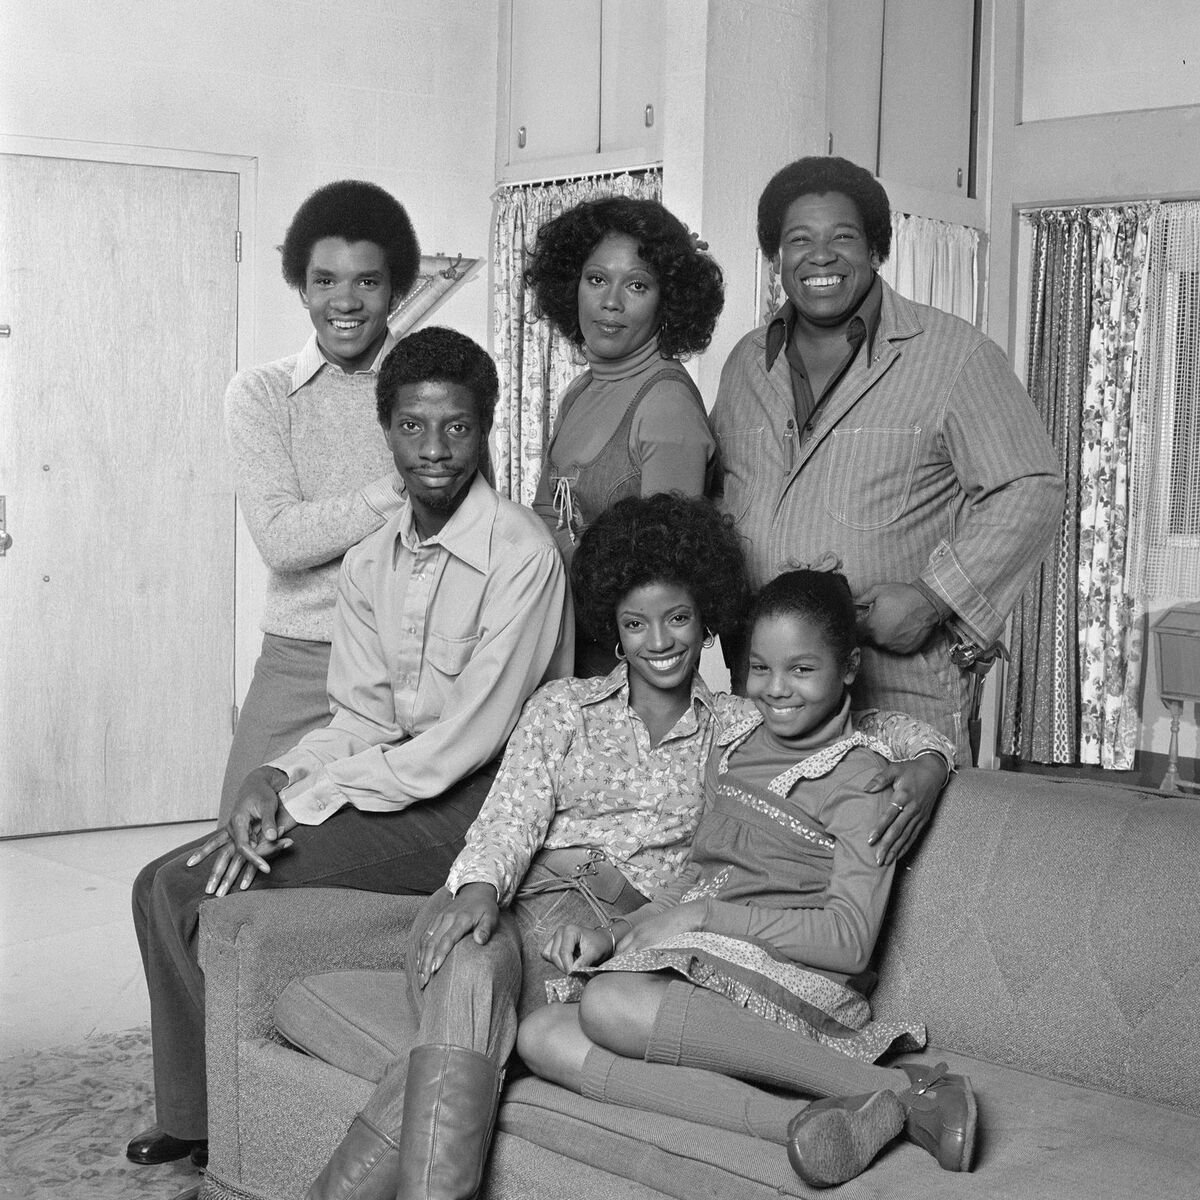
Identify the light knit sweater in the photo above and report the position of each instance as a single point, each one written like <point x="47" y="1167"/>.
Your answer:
<point x="314" y="476"/>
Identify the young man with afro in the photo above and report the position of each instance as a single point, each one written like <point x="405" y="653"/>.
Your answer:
<point x="313" y="475"/>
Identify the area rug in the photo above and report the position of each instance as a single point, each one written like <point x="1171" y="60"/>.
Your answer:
<point x="66" y="1115"/>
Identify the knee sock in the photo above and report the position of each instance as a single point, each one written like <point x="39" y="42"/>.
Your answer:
<point x="693" y="1095"/>
<point x="698" y="1028"/>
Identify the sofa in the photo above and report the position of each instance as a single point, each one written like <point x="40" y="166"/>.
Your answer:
<point x="1047" y="932"/>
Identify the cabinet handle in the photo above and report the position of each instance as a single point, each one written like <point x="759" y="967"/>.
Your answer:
<point x="5" y="536"/>
<point x="521" y="138"/>
<point x="649" y="115"/>
<point x="960" y="176"/>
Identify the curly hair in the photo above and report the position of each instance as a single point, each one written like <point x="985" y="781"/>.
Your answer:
<point x="691" y="287"/>
<point x="445" y="355"/>
<point x="665" y="538"/>
<point x="821" y="597"/>
<point x="815" y="176"/>
<point x="354" y="211"/>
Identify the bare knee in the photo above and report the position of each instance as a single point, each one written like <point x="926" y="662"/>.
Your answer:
<point x="618" y="1010"/>
<point x="552" y="1045"/>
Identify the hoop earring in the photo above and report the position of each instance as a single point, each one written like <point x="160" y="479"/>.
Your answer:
<point x="619" y="653"/>
<point x="709" y="638"/>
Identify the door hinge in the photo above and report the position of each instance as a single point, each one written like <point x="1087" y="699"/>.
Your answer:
<point x="233" y="712"/>
<point x="237" y="245"/>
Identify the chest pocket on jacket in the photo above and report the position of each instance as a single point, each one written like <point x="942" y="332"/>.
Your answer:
<point x="741" y="465"/>
<point x="869" y="475"/>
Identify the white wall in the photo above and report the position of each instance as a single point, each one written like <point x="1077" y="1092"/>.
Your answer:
<point x="1082" y="57"/>
<point x="400" y="92"/>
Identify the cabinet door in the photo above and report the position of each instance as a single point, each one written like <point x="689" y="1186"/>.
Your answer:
<point x="925" y="109"/>
<point x="554" y="78"/>
<point x="852" y="73"/>
<point x="631" y="68"/>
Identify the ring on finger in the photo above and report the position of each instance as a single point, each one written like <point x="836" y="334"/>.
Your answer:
<point x="897" y="807"/>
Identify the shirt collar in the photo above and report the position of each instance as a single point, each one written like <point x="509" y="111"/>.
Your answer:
<point x="311" y="359"/>
<point x="617" y="680"/>
<point x="863" y="322"/>
<point x="468" y="533"/>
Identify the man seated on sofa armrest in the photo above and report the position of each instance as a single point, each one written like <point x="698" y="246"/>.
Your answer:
<point x="447" y="618"/>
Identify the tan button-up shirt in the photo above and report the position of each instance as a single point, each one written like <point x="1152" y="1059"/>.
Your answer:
<point x="436" y="645"/>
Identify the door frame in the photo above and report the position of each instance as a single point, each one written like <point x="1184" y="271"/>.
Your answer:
<point x="245" y="633"/>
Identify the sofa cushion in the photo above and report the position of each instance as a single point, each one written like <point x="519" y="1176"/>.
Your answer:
<point x="1051" y="926"/>
<point x="356" y="1020"/>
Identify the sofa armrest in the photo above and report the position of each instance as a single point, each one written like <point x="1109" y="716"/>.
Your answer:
<point x="253" y="945"/>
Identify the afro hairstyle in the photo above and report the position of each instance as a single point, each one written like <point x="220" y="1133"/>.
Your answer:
<point x="691" y="287"/>
<point x="354" y="211"/>
<point x="444" y="355"/>
<point x="665" y="538"/>
<point x="818" y="177"/>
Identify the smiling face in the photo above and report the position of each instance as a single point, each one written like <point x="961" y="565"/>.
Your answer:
<point x="348" y="293"/>
<point x="662" y="635"/>
<point x="618" y="298"/>
<point x="824" y="262"/>
<point x="435" y="436"/>
<point x="796" y="680"/>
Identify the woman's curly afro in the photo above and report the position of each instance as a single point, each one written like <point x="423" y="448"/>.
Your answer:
<point x="665" y="538"/>
<point x="691" y="288"/>
<point x="354" y="211"/>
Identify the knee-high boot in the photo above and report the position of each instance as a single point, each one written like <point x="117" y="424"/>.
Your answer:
<point x="365" y="1166"/>
<point x="450" y="1103"/>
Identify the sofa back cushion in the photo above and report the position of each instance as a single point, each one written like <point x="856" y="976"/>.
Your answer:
<point x="1055" y="927"/>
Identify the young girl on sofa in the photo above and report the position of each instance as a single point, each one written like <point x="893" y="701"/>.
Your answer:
<point x="744" y="966"/>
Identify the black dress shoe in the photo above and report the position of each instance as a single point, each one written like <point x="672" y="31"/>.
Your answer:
<point x="154" y="1147"/>
<point x="199" y="1155"/>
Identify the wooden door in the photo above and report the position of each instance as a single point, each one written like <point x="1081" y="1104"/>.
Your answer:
<point x="631" y="74"/>
<point x="119" y="286"/>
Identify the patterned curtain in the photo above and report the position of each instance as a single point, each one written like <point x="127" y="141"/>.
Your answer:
<point x="1110" y="620"/>
<point x="534" y="363"/>
<point x="1071" y="693"/>
<point x="933" y="262"/>
<point x="1040" y="720"/>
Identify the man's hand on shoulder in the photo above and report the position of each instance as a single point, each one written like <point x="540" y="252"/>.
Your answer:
<point x="895" y="617"/>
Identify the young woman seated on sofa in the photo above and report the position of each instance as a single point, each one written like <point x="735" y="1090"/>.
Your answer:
<point x="744" y="966"/>
<point x="591" y="812"/>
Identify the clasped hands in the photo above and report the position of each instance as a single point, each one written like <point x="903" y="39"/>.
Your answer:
<point x="577" y="947"/>
<point x="253" y="834"/>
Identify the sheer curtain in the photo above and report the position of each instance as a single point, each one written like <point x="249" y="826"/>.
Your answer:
<point x="934" y="263"/>
<point x="535" y="364"/>
<point x="1164" y="532"/>
<point x="1071" y="694"/>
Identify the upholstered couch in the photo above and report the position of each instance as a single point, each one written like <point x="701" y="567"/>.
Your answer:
<point x="1048" y="933"/>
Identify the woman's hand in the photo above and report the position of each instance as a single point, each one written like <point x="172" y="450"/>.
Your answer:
<point x="683" y="918"/>
<point x="575" y="948"/>
<point x="253" y="834"/>
<point x="474" y="910"/>
<point x="916" y="785"/>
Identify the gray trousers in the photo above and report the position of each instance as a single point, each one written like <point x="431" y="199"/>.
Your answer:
<point x="287" y="697"/>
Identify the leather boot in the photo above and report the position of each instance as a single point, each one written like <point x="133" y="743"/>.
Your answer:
<point x="365" y="1166"/>
<point x="450" y="1101"/>
<point x="835" y="1140"/>
<point x="940" y="1116"/>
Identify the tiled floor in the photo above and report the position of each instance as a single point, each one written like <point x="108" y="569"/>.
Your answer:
<point x="69" y="962"/>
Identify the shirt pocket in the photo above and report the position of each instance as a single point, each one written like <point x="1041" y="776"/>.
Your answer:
<point x="741" y="464"/>
<point x="869" y="475"/>
<point x="448" y="656"/>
